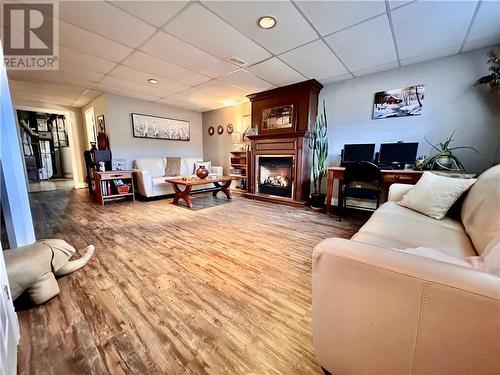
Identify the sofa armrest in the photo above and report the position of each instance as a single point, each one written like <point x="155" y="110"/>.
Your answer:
<point x="377" y="310"/>
<point x="143" y="182"/>
<point x="396" y="192"/>
<point x="219" y="171"/>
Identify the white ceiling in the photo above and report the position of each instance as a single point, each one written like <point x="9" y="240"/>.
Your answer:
<point x="115" y="47"/>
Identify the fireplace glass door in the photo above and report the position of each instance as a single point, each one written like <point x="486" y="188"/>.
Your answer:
<point x="275" y="175"/>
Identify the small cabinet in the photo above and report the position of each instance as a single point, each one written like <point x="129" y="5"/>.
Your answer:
<point x="113" y="185"/>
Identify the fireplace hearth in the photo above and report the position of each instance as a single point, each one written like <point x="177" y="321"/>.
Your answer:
<point x="275" y="175"/>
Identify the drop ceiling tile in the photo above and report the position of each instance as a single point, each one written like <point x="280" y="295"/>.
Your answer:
<point x="393" y="4"/>
<point x="360" y="47"/>
<point x="48" y="92"/>
<point x="222" y="90"/>
<point x="340" y="77"/>
<point x="80" y="102"/>
<point x="70" y="77"/>
<point x="106" y="20"/>
<point x="487" y="22"/>
<point x="115" y="83"/>
<point x="132" y="94"/>
<point x="194" y="99"/>
<point x="201" y="28"/>
<point x="276" y="72"/>
<point x="156" y="13"/>
<point x="81" y="40"/>
<point x="331" y="16"/>
<point x="198" y="95"/>
<point x="425" y="27"/>
<point x="376" y="69"/>
<point x="291" y="29"/>
<point x="69" y="58"/>
<point x="247" y="81"/>
<point x="481" y="43"/>
<point x="314" y="60"/>
<point x="429" y="56"/>
<point x="180" y="101"/>
<point x="171" y="49"/>
<point x="27" y="86"/>
<point x="150" y="64"/>
<point x="126" y="73"/>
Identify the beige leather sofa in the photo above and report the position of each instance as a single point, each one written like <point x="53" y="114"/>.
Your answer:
<point x="377" y="310"/>
<point x="149" y="175"/>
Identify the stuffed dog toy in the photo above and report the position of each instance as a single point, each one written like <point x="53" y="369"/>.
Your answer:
<point x="34" y="267"/>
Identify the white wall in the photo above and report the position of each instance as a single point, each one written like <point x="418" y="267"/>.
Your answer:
<point x="216" y="148"/>
<point x="117" y="115"/>
<point x="451" y="102"/>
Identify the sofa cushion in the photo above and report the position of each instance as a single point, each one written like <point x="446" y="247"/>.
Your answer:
<point x="491" y="256"/>
<point x="441" y="256"/>
<point x="433" y="195"/>
<point x="159" y="181"/>
<point x="155" y="167"/>
<point x="481" y="208"/>
<point x="393" y="226"/>
<point x="187" y="165"/>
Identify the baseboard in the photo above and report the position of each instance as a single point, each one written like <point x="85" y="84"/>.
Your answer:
<point x="272" y="199"/>
<point x="81" y="185"/>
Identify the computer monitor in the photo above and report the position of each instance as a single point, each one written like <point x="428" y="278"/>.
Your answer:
<point x="358" y="152"/>
<point x="398" y="154"/>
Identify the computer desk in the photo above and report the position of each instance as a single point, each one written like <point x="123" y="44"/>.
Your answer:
<point x="389" y="176"/>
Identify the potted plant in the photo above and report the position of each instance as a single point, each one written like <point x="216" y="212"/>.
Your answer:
<point x="318" y="142"/>
<point x="444" y="159"/>
<point x="493" y="79"/>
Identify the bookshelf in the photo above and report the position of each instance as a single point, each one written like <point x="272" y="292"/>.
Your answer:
<point x="108" y="185"/>
<point x="238" y="169"/>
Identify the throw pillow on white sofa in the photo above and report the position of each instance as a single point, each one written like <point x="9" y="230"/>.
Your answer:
<point x="206" y="164"/>
<point x="433" y="195"/>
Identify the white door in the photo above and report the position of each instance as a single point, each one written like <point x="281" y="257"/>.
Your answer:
<point x="9" y="326"/>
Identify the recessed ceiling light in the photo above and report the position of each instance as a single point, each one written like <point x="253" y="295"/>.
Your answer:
<point x="153" y="81"/>
<point x="267" y="22"/>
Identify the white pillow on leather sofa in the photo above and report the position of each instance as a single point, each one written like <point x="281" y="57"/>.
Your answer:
<point x="433" y="195"/>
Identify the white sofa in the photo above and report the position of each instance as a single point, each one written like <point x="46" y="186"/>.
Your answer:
<point x="149" y="175"/>
<point x="377" y="310"/>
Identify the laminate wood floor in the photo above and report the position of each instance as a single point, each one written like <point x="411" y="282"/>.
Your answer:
<point x="221" y="289"/>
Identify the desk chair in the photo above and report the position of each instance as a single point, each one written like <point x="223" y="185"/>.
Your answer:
<point x="362" y="180"/>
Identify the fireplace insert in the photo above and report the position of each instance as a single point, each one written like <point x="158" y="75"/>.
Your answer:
<point x="275" y="175"/>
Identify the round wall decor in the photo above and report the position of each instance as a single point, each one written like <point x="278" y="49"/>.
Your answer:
<point x="220" y="129"/>
<point x="211" y="130"/>
<point x="230" y="129"/>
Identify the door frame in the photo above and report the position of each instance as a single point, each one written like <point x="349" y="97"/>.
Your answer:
<point x="70" y="124"/>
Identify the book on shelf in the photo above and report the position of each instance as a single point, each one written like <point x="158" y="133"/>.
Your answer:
<point x="118" y="182"/>
<point x="104" y="188"/>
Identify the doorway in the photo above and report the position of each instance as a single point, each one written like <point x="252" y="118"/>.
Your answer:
<point x="46" y="150"/>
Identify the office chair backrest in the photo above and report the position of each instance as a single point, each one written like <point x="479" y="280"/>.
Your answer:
<point x="362" y="171"/>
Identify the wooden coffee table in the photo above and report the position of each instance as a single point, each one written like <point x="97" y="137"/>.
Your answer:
<point x="221" y="183"/>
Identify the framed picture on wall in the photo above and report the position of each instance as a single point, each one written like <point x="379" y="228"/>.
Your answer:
<point x="155" y="127"/>
<point x="101" y="126"/>
<point x="277" y="117"/>
<point x="399" y="102"/>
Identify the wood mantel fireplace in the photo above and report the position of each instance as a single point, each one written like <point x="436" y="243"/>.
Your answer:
<point x="280" y="169"/>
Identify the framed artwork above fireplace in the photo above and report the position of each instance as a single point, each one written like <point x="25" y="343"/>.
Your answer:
<point x="281" y="117"/>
